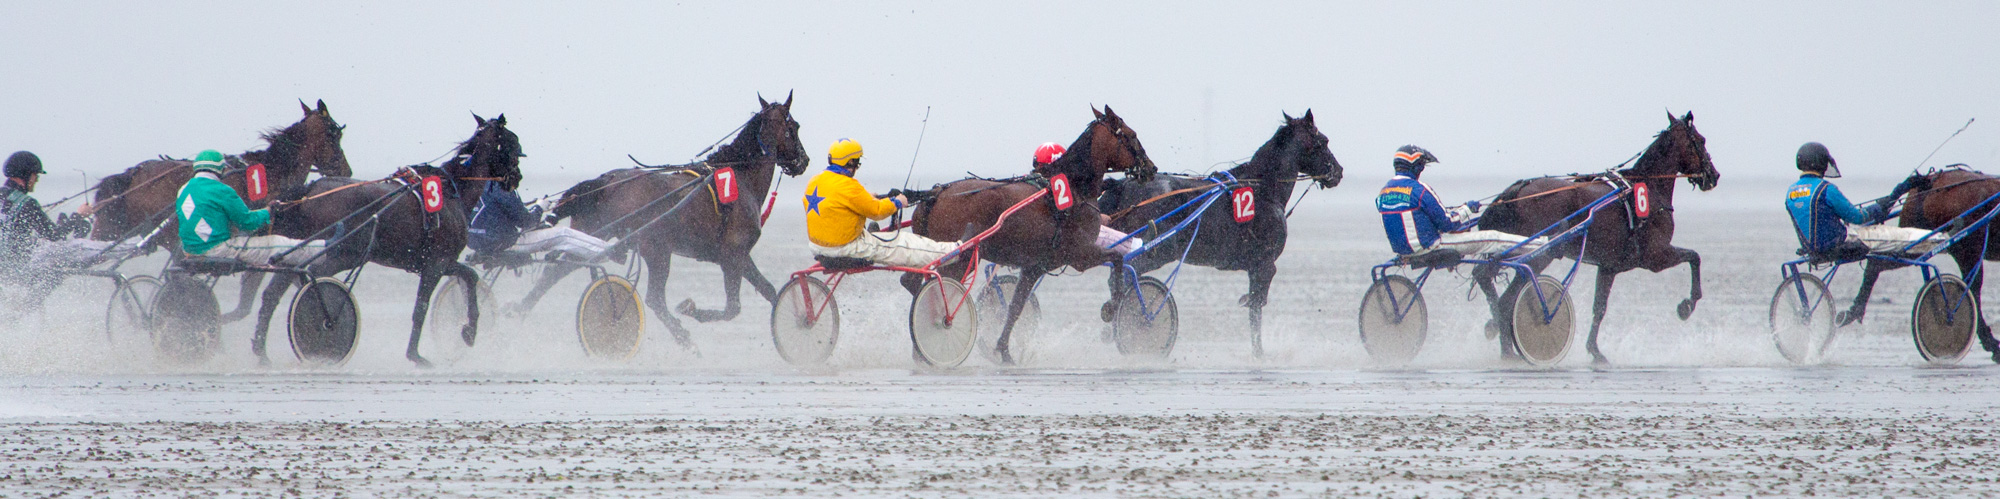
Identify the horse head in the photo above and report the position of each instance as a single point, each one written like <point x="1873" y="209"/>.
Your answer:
<point x="492" y="152"/>
<point x="1306" y="148"/>
<point x="1109" y="146"/>
<point x="777" y="136"/>
<point x="311" y="145"/>
<point x="1680" y="150"/>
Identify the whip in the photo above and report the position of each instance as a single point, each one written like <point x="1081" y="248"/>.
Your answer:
<point x="1947" y="140"/>
<point x="919" y="149"/>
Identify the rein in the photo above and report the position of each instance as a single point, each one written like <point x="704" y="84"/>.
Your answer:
<point x="1580" y="185"/>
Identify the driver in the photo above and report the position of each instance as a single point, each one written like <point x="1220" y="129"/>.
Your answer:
<point x="503" y="223"/>
<point x="215" y="223"/>
<point x="1418" y="225"/>
<point x="837" y="206"/>
<point x="28" y="239"/>
<point x="1818" y="211"/>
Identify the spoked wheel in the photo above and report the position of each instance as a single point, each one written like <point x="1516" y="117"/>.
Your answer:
<point x="1147" y="321"/>
<point x="942" y="322"/>
<point x="1945" y="317"/>
<point x="125" y="316"/>
<point x="994" y="298"/>
<point x="1543" y="322"/>
<point x="1394" y="320"/>
<point x="609" y="320"/>
<point x="1802" y="319"/>
<point x="183" y="320"/>
<point x="444" y="340"/>
<point x="324" y="322"/>
<point x="805" y="322"/>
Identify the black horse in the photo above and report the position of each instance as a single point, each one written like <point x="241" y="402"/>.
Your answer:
<point x="1298" y="147"/>
<point x="404" y="236"/>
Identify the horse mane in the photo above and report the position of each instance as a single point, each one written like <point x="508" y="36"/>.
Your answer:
<point x="1265" y="161"/>
<point x="580" y="196"/>
<point x="1073" y="165"/>
<point x="744" y="145"/>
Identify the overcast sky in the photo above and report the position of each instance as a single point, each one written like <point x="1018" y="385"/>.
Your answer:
<point x="1495" y="88"/>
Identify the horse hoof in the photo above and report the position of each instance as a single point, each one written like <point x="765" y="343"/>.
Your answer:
<point x="1598" y="360"/>
<point x="1845" y="317"/>
<point x="1105" y="312"/>
<point x="468" y="333"/>
<point x="1006" y="359"/>
<point x="1492" y="329"/>
<point x="418" y="360"/>
<point x="1685" y="309"/>
<point x="686" y="307"/>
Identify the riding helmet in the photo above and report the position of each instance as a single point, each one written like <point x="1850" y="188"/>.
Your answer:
<point x="209" y="160"/>
<point x="844" y="153"/>
<point x="1813" y="157"/>
<point x="1049" y="152"/>
<point x="22" y="164"/>
<point x="1412" y="159"/>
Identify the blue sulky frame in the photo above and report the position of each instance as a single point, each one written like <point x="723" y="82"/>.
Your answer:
<point x="1922" y="260"/>
<point x="1205" y="199"/>
<point x="1519" y="263"/>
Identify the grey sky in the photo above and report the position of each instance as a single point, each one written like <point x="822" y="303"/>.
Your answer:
<point x="1507" y="89"/>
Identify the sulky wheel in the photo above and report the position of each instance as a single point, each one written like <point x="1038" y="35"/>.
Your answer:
<point x="1147" y="321"/>
<point x="1942" y="323"/>
<point x="444" y="340"/>
<point x="183" y="320"/>
<point x="805" y="322"/>
<point x="1802" y="321"/>
<point x="609" y="319"/>
<point x="125" y="316"/>
<point x="324" y="322"/>
<point x="1544" y="321"/>
<point x="1394" y="320"/>
<point x="994" y="298"/>
<point x="943" y="323"/>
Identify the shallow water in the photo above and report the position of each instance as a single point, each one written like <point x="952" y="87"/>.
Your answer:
<point x="1704" y="406"/>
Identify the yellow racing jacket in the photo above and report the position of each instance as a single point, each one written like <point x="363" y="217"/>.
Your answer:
<point x="836" y="206"/>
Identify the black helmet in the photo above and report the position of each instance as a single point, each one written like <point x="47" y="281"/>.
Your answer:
<point x="22" y="164"/>
<point x="1813" y="157"/>
<point x="1412" y="159"/>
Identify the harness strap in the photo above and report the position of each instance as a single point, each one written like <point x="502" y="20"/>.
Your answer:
<point x="1151" y="200"/>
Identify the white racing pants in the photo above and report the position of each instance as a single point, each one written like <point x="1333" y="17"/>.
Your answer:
<point x="1483" y="244"/>
<point x="1883" y="238"/>
<point x="567" y="240"/>
<point x="77" y="253"/>
<point x="1106" y="236"/>
<point x="903" y="249"/>
<point x="258" y="250"/>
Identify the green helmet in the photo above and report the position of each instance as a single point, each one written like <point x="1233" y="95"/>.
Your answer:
<point x="208" y="160"/>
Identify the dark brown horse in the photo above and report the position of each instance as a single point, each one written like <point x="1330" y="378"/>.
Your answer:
<point x="1040" y="237"/>
<point x="1942" y="196"/>
<point x="620" y="202"/>
<point x="404" y="236"/>
<point x="136" y="200"/>
<point x="1617" y="241"/>
<point x="1297" y="148"/>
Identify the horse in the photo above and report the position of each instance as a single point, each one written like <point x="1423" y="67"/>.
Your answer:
<point x="632" y="204"/>
<point x="1940" y="197"/>
<point x="1297" y="147"/>
<point x="402" y="235"/>
<point x="1618" y="240"/>
<point x="137" y="198"/>
<point x="1040" y="237"/>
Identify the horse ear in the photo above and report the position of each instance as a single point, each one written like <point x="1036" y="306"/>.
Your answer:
<point x="303" y="107"/>
<point x="1671" y="118"/>
<point x="1109" y="112"/>
<point x="1309" y="115"/>
<point x="502" y="119"/>
<point x="322" y="106"/>
<point x="760" y="100"/>
<point x="1689" y="118"/>
<point x="788" y="100"/>
<point x="1093" y="110"/>
<point x="476" y="118"/>
<point x="1288" y="116"/>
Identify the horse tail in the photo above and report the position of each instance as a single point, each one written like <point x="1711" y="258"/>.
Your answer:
<point x="579" y="197"/>
<point x="1502" y="214"/>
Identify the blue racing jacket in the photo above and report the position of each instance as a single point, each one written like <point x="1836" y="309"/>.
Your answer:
<point x="1818" y="210"/>
<point x="498" y="221"/>
<point x="1411" y="215"/>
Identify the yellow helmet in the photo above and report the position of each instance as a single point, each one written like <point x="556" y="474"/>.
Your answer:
<point x="843" y="152"/>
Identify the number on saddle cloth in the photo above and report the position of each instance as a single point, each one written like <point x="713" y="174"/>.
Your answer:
<point x="725" y="185"/>
<point x="255" y="182"/>
<point x="1060" y="192"/>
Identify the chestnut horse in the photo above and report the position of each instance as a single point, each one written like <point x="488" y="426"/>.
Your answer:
<point x="622" y="201"/>
<point x="1040" y="237"/>
<point x="1942" y="196"/>
<point x="1617" y="242"/>
<point x="1297" y="148"/>
<point x="403" y="236"/>
<point x="137" y="199"/>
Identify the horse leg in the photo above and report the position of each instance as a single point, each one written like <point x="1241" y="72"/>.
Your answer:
<point x="1260" y="294"/>
<point x="1854" y="313"/>
<point x="1686" y="308"/>
<point x="1975" y="275"/>
<point x="659" y="264"/>
<point x="550" y="275"/>
<point x="465" y="274"/>
<point x="427" y="282"/>
<point x="1022" y="292"/>
<point x="267" y="307"/>
<point x="732" y="285"/>
<point x="1605" y="278"/>
<point x="244" y="297"/>
<point x="1484" y="275"/>
<point x="758" y="282"/>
